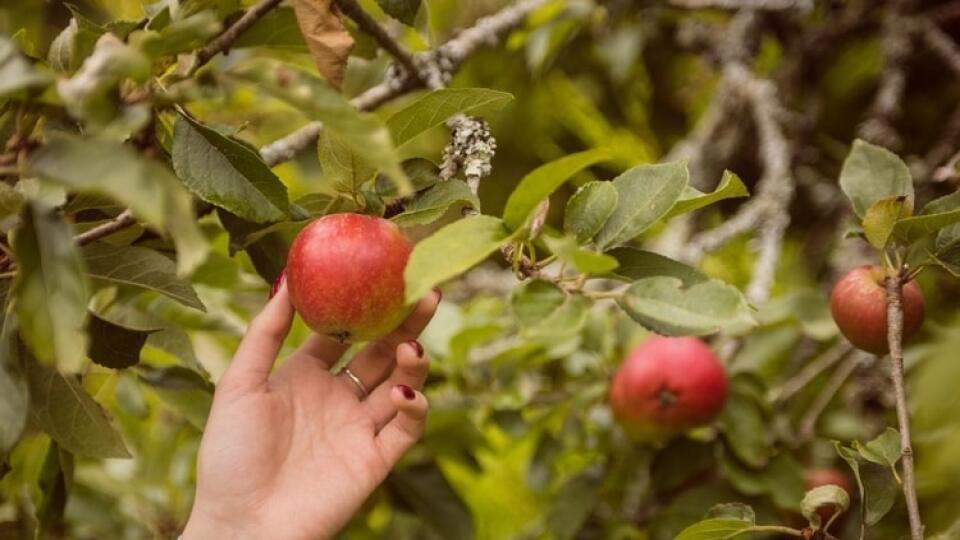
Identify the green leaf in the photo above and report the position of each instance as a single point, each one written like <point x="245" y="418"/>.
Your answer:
<point x="438" y="106"/>
<point x="432" y="204"/>
<point x="715" y="529"/>
<point x="871" y="173"/>
<point x="16" y="73"/>
<point x="363" y="132"/>
<point x="583" y="260"/>
<point x="936" y="215"/>
<point x="138" y="267"/>
<point x="148" y="188"/>
<point x="51" y="295"/>
<point x="817" y="497"/>
<point x="322" y="204"/>
<point x="70" y="416"/>
<point x="74" y="43"/>
<point x="342" y="165"/>
<point x="422" y="173"/>
<point x="731" y="187"/>
<point x="114" y="346"/>
<point x="14" y="399"/>
<point x="883" y="450"/>
<point x="278" y="29"/>
<point x="878" y="488"/>
<point x="542" y="181"/>
<point x="589" y="209"/>
<point x="744" y="430"/>
<point x="637" y="264"/>
<point x="573" y="504"/>
<point x="11" y="200"/>
<point x="646" y="194"/>
<point x="226" y="173"/>
<point x="452" y="250"/>
<point x="544" y="311"/>
<point x="881" y="218"/>
<point x="737" y="511"/>
<point x="183" y="390"/>
<point x="404" y="11"/>
<point x="664" y="305"/>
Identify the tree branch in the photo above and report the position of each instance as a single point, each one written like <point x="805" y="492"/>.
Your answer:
<point x="887" y="104"/>
<point x="829" y="391"/>
<point x="941" y="43"/>
<point x="223" y="42"/>
<point x="371" y="27"/>
<point x="448" y="57"/>
<point x="123" y="220"/>
<point x="745" y="4"/>
<point x="810" y="372"/>
<point x="894" y="286"/>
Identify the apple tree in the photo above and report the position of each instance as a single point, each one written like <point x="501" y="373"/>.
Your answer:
<point x="698" y="257"/>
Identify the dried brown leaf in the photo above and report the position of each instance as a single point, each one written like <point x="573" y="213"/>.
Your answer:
<point x="327" y="38"/>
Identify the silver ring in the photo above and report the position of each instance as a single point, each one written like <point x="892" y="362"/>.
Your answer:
<point x="356" y="381"/>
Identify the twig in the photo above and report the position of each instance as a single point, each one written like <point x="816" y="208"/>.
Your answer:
<point x="940" y="161"/>
<point x="829" y="391"/>
<point x="887" y="104"/>
<point x="941" y="43"/>
<point x="371" y="27"/>
<point x="745" y="4"/>
<point x="448" y="56"/>
<point x="945" y="13"/>
<point x="810" y="372"/>
<point x="123" y="220"/>
<point x="223" y="42"/>
<point x="894" y="286"/>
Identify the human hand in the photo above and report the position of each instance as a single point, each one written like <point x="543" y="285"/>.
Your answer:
<point x="294" y="454"/>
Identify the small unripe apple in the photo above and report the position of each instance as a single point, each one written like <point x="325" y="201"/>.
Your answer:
<point x="814" y="478"/>
<point x="859" y="306"/>
<point x="345" y="276"/>
<point x="667" y="385"/>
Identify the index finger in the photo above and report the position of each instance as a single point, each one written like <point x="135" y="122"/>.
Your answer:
<point x="260" y="345"/>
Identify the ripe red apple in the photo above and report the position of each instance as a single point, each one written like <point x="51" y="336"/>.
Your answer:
<point x="859" y="306"/>
<point x="345" y="276"/>
<point x="814" y="478"/>
<point x="667" y="385"/>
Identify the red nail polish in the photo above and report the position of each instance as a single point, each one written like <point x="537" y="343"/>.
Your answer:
<point x="408" y="392"/>
<point x="439" y="292"/>
<point x="277" y="283"/>
<point x="417" y="347"/>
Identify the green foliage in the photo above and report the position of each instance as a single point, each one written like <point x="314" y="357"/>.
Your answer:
<point x="111" y="344"/>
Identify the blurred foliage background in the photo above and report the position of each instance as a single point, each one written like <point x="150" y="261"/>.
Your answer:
<point x="521" y="442"/>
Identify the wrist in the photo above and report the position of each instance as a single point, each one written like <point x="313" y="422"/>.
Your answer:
<point x="201" y="525"/>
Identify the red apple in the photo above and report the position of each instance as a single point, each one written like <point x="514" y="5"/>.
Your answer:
<point x="859" y="306"/>
<point x="345" y="276"/>
<point x="668" y="385"/>
<point x="814" y="478"/>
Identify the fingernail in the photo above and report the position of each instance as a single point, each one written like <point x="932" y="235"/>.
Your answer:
<point x="439" y="292"/>
<point x="417" y="347"/>
<point x="408" y="392"/>
<point x="277" y="283"/>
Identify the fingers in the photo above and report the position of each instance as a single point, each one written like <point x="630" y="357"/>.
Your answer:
<point x="406" y="427"/>
<point x="412" y="369"/>
<point x="259" y="348"/>
<point x="376" y="360"/>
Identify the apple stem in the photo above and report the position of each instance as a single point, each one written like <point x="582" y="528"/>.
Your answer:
<point x="894" y="286"/>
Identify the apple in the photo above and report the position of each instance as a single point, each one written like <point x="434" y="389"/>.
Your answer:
<point x="345" y="276"/>
<point x="859" y="306"/>
<point x="814" y="478"/>
<point x="667" y="385"/>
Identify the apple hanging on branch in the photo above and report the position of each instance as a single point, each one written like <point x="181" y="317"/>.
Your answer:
<point x="859" y="307"/>
<point x="345" y="276"/>
<point x="667" y="385"/>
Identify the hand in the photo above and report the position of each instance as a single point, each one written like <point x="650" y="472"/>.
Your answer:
<point x="293" y="455"/>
